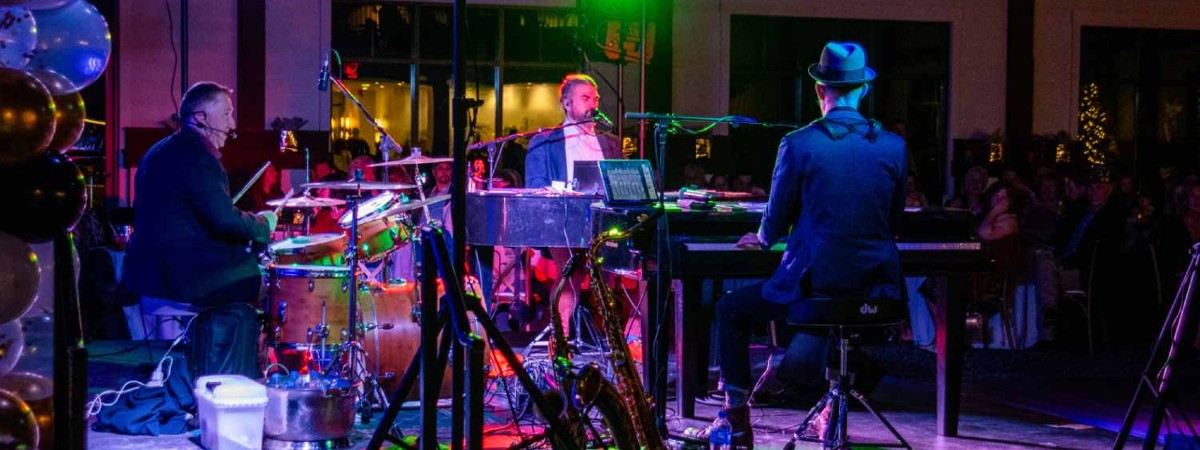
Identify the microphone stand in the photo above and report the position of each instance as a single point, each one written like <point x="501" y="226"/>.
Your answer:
<point x="655" y="361"/>
<point x="386" y="143"/>
<point x="494" y="155"/>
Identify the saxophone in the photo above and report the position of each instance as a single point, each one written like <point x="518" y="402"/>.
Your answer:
<point x="625" y="407"/>
<point x="604" y="302"/>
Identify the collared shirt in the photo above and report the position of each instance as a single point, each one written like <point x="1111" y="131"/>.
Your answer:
<point x="581" y="146"/>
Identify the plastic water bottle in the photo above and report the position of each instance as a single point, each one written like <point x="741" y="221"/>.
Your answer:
<point x="720" y="436"/>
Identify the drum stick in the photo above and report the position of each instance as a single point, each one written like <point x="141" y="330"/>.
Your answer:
<point x="290" y="194"/>
<point x="253" y="179"/>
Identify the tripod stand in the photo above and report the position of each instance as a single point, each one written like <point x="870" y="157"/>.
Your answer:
<point x="450" y="319"/>
<point x="1174" y="343"/>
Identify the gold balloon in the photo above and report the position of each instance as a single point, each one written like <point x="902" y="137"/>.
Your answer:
<point x="18" y="425"/>
<point x="69" y="109"/>
<point x="26" y="116"/>
<point x="37" y="392"/>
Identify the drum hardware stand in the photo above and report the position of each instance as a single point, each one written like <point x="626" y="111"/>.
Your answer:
<point x="351" y="340"/>
<point x="454" y="326"/>
<point x="1174" y="344"/>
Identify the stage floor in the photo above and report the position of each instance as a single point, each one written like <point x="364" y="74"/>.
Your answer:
<point x="1011" y="400"/>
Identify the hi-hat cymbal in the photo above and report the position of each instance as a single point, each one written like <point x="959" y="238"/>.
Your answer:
<point x="358" y="185"/>
<point x="404" y="207"/>
<point x="412" y="160"/>
<point x="307" y="202"/>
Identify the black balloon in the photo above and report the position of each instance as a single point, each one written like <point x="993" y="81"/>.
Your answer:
<point x="43" y="197"/>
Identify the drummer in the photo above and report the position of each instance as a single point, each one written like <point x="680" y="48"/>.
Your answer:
<point x="552" y="155"/>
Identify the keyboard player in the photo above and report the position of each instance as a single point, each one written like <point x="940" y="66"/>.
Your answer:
<point x="838" y="184"/>
<point x="552" y="154"/>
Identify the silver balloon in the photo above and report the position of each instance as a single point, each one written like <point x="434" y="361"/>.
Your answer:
<point x="73" y="41"/>
<point x="19" y="277"/>
<point x="36" y="391"/>
<point x="18" y="425"/>
<point x="12" y="345"/>
<point x="49" y="4"/>
<point x="18" y="37"/>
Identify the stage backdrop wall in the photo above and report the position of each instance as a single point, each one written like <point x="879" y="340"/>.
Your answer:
<point x="1056" y="48"/>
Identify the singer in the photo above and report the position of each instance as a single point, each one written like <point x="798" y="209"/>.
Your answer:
<point x="552" y="156"/>
<point x="189" y="250"/>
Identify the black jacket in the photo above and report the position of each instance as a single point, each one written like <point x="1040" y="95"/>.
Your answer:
<point x="190" y="244"/>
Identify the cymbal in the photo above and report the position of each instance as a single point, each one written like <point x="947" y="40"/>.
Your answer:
<point x="358" y="185"/>
<point x="411" y="160"/>
<point x="307" y="202"/>
<point x="404" y="207"/>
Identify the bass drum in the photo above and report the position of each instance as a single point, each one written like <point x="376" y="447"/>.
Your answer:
<point x="394" y="342"/>
<point x="304" y="297"/>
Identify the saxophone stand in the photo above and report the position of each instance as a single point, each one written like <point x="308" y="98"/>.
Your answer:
<point x="580" y="316"/>
<point x="1174" y="344"/>
<point x="457" y="339"/>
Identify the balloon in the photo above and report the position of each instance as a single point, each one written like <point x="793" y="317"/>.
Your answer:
<point x="18" y="36"/>
<point x="18" y="426"/>
<point x="43" y="197"/>
<point x="26" y="116"/>
<point x="8" y="3"/>
<point x="73" y="41"/>
<point x="19" y="277"/>
<point x="37" y="392"/>
<point x="12" y="344"/>
<point x="69" y="110"/>
<point x="48" y="4"/>
<point x="38" y="354"/>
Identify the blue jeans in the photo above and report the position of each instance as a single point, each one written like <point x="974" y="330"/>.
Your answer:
<point x="737" y="313"/>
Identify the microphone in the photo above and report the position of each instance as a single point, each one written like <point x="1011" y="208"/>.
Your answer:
<point x="323" y="78"/>
<point x="230" y="133"/>
<point x="600" y="117"/>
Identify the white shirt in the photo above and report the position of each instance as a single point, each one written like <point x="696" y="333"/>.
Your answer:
<point x="581" y="146"/>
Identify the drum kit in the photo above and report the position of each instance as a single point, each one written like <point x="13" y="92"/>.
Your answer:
<point x="327" y="311"/>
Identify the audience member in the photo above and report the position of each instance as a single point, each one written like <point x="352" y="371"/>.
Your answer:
<point x="914" y="198"/>
<point x="972" y="197"/>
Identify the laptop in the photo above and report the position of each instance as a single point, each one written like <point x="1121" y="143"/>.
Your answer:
<point x="628" y="182"/>
<point x="587" y="178"/>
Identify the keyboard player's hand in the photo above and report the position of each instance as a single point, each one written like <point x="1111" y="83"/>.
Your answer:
<point x="749" y="242"/>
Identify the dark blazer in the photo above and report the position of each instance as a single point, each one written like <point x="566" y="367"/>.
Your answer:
<point x="190" y="244"/>
<point x="546" y="159"/>
<point x="841" y="200"/>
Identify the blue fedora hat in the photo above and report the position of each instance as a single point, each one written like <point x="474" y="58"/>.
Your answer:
<point x="842" y="64"/>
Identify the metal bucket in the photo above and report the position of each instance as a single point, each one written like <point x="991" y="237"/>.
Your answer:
<point x="316" y="415"/>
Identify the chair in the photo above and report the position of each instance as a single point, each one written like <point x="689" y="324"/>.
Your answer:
<point x="843" y="318"/>
<point x="1077" y="293"/>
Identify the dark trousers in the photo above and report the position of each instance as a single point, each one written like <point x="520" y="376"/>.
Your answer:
<point x="737" y="314"/>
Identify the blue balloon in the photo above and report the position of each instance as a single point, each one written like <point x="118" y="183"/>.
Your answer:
<point x="18" y="36"/>
<point x="49" y="4"/>
<point x="74" y="42"/>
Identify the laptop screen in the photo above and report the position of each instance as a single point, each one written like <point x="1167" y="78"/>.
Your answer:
<point x="628" y="181"/>
<point x="587" y="177"/>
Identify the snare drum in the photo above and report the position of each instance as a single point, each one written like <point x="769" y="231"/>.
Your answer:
<point x="324" y="249"/>
<point x="378" y="234"/>
<point x="307" y="297"/>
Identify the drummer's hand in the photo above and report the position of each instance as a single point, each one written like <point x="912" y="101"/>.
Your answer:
<point x="750" y="242"/>
<point x="272" y="219"/>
